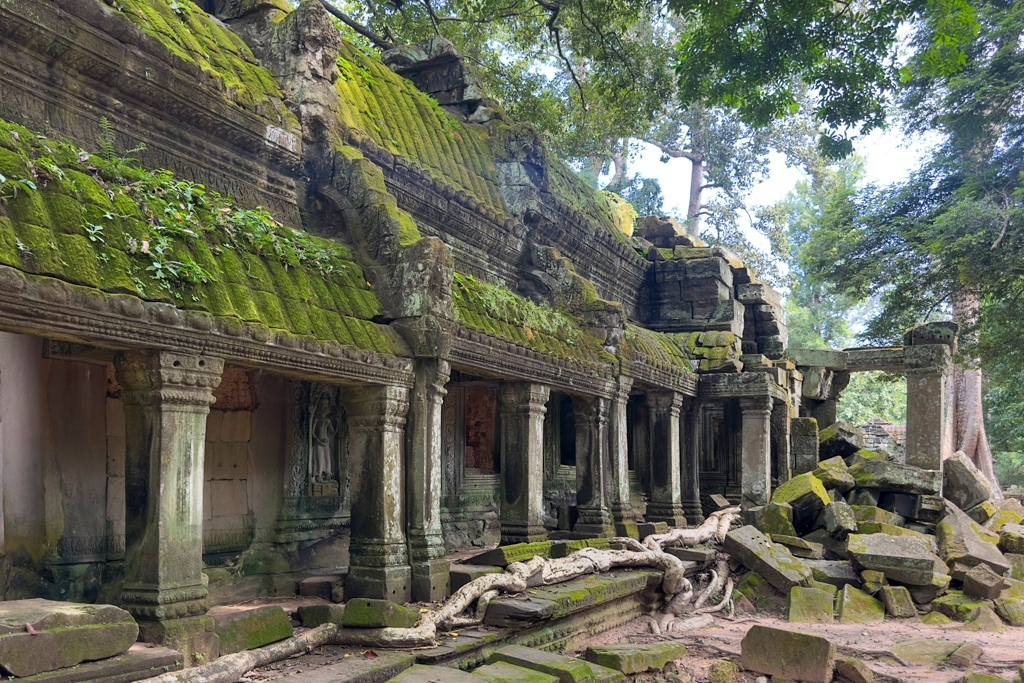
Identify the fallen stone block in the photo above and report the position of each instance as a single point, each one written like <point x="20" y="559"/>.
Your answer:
<point x="963" y="484"/>
<point x="873" y="581"/>
<point x="312" y="616"/>
<point x="864" y="497"/>
<point x="958" y="606"/>
<point x="799" y="547"/>
<point x="789" y="654"/>
<point x="566" y="548"/>
<point x="761" y="594"/>
<point x="975" y="677"/>
<point x="874" y="513"/>
<point x="985" y="620"/>
<point x="702" y="556"/>
<point x="936" y="619"/>
<point x="631" y="659"/>
<point x="806" y="495"/>
<point x="864" y="455"/>
<point x="1011" y="610"/>
<point x="854" y="606"/>
<point x="1016" y="565"/>
<point x="774" y="518"/>
<point x="1011" y="538"/>
<point x="245" y="629"/>
<point x="723" y="671"/>
<point x="834" y="548"/>
<point x="720" y="501"/>
<point x="898" y="602"/>
<point x="564" y="669"/>
<point x="1013" y="588"/>
<point x="772" y="561"/>
<point x="504" y="555"/>
<point x="461" y="574"/>
<point x="67" y="633"/>
<point x="809" y="606"/>
<point x="983" y="583"/>
<point x="892" y="476"/>
<point x="319" y="586"/>
<point x="370" y="613"/>
<point x="836" y="573"/>
<point x="647" y="528"/>
<point x="832" y="473"/>
<point x="902" y="559"/>
<point x="137" y="663"/>
<point x="501" y="672"/>
<point x="966" y="655"/>
<point x="422" y="673"/>
<point x="840" y="520"/>
<point x="965" y="544"/>
<point x="923" y="650"/>
<point x="854" y="670"/>
<point x="996" y="522"/>
<point x="982" y="512"/>
<point x="929" y="509"/>
<point x="931" y="542"/>
<point x="901" y="504"/>
<point x="839" y="439"/>
<point x="922" y="595"/>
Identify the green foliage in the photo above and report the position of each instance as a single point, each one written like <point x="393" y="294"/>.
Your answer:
<point x="9" y="188"/>
<point x="873" y="394"/>
<point x="501" y="305"/>
<point x="116" y="165"/>
<point x="1009" y="467"/>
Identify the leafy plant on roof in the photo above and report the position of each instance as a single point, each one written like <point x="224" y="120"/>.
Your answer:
<point x="9" y="188"/>
<point x="115" y="163"/>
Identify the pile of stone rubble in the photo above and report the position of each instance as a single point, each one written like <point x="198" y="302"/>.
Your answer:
<point x="864" y="536"/>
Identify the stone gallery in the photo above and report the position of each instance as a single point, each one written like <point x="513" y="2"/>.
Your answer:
<point x="281" y="318"/>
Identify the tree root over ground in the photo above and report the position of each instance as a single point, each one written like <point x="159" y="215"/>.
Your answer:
<point x="517" y="577"/>
<point x="716" y="526"/>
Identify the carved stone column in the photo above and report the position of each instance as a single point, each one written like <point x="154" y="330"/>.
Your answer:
<point x="690" y="468"/>
<point x="522" y="407"/>
<point x="782" y="460"/>
<point x="378" y="555"/>
<point x="926" y="367"/>
<point x="623" y="515"/>
<point x="166" y="397"/>
<point x="593" y="468"/>
<point x="755" y="458"/>
<point x="803" y="444"/>
<point x="666" y="494"/>
<point x="430" y="580"/>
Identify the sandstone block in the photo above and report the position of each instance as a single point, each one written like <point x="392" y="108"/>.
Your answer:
<point x="964" y="544"/>
<point x="800" y="547"/>
<point x="774" y="518"/>
<point x="500" y="672"/>
<point x="923" y="650"/>
<point x="839" y="439"/>
<point x="982" y="512"/>
<point x="67" y="633"/>
<point x="897" y="602"/>
<point x="789" y="654"/>
<point x="891" y="476"/>
<point x="836" y="573"/>
<point x="1011" y="610"/>
<point x="631" y="659"/>
<point x="319" y="586"/>
<point x="246" y="629"/>
<point x="963" y="484"/>
<point x="461" y="574"/>
<point x="564" y="669"/>
<point x="833" y="474"/>
<point x="975" y="677"/>
<point x="861" y="497"/>
<point x="930" y="542"/>
<point x="421" y="673"/>
<point x="1016" y="566"/>
<point x="929" y="509"/>
<point x="857" y="607"/>
<point x="774" y="562"/>
<point x="983" y="583"/>
<point x="809" y="606"/>
<point x="874" y="513"/>
<point x="723" y="671"/>
<point x="312" y="616"/>
<point x="840" y="520"/>
<point x="761" y="594"/>
<point x="807" y="496"/>
<point x="922" y="595"/>
<point x="854" y="670"/>
<point x="369" y="613"/>
<point x="900" y="558"/>
<point x="835" y="548"/>
<point x="958" y="606"/>
<point x="720" y="501"/>
<point x="985" y="620"/>
<point x="967" y="654"/>
<point x="1011" y="538"/>
<point x="936" y="619"/>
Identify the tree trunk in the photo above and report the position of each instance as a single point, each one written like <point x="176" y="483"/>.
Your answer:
<point x="696" y="185"/>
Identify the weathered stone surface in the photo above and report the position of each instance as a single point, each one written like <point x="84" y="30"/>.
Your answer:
<point x="68" y="633"/>
<point x="368" y="613"/>
<point x="936" y="619"/>
<point x="854" y="670"/>
<point x="965" y="544"/>
<point x="723" y="671"/>
<point x="839" y="439"/>
<point x="800" y="547"/>
<point x="873" y="581"/>
<point x="900" y="558"/>
<point x="983" y="583"/>
<point x="720" y="501"/>
<point x="985" y="620"/>
<point x="840" y="520"/>
<point x="975" y="677"/>
<point x="897" y="602"/>
<point x="761" y="594"/>
<point x="958" y="606"/>
<point x="1016" y="566"/>
<point x="835" y="549"/>
<point x="631" y="659"/>
<point x="929" y="509"/>
<point x="774" y="562"/>
<point x="1011" y="610"/>
<point x="922" y="595"/>
<point x="500" y="672"/>
<point x="807" y="497"/>
<point x="963" y="484"/>
<point x="854" y="606"/>
<point x="250" y="628"/>
<point x="835" y="573"/>
<point x="809" y="606"/>
<point x="319" y="586"/>
<point x="137" y="663"/>
<point x="1011" y="538"/>
<point x="982" y="512"/>
<point x="564" y="669"/>
<point x="931" y="542"/>
<point x="891" y="476"/>
<point x="832" y="473"/>
<point x="312" y="616"/>
<point x="966" y="655"/>
<point x="874" y="513"/>
<point x="901" y="504"/>
<point x="503" y="555"/>
<point x="701" y="556"/>
<point x="861" y="497"/>
<point x="1001" y="518"/>
<point x="558" y="600"/>
<point x="774" y="518"/>
<point x="923" y="650"/>
<point x="461" y="574"/>
<point x="789" y="654"/>
<point x="422" y="673"/>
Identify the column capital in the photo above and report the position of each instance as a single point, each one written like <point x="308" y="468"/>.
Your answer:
<point x="927" y="359"/>
<point x="437" y="373"/>
<point x="591" y="408"/>
<point x="166" y="378"/>
<point x="665" y="401"/>
<point x="523" y="397"/>
<point x="756" y="404"/>
<point x="375" y="407"/>
<point x="624" y="383"/>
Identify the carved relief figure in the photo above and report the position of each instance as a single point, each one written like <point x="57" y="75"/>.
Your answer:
<point x="323" y="434"/>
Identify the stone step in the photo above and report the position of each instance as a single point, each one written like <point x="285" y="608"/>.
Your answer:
<point x="631" y="659"/>
<point x="137" y="663"/>
<point x="564" y="669"/>
<point x="247" y="628"/>
<point x="502" y="672"/>
<point x="549" y="602"/>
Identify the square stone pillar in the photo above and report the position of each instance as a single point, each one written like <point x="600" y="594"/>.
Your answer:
<point x="755" y="457"/>
<point x="926" y="368"/>
<point x="430" y="580"/>
<point x="782" y="463"/>
<point x="623" y="516"/>
<point x="642" y="446"/>
<point x="666" y="490"/>
<point x="593" y="468"/>
<point x="166" y="397"/>
<point x="690" y="462"/>
<point x="378" y="555"/>
<point x="522" y="407"/>
<point x="803" y="444"/>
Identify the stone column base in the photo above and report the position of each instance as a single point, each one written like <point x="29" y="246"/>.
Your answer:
<point x="431" y="581"/>
<point x="382" y="583"/>
<point x="514" y="533"/>
<point x="670" y="514"/>
<point x="627" y="528"/>
<point x="194" y="637"/>
<point x="694" y="513"/>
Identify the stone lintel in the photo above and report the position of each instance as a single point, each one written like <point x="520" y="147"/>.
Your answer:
<point x="890" y="359"/>
<point x="833" y="359"/>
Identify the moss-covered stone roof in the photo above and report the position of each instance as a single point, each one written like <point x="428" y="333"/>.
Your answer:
<point x="103" y="223"/>
<point x="500" y="313"/>
<point x="190" y="34"/>
<point x="645" y="346"/>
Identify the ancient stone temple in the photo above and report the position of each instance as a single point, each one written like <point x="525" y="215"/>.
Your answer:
<point x="272" y="308"/>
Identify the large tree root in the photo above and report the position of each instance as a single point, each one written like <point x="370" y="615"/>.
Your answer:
<point x="684" y="602"/>
<point x="716" y="526"/>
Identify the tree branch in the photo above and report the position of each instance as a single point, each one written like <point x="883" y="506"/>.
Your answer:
<point x="357" y="27"/>
<point x="675" y="153"/>
<point x="557" y="37"/>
